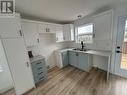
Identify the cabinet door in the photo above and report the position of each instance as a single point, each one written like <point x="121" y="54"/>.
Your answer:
<point x="68" y="32"/>
<point x="10" y="27"/>
<point x="42" y="28"/>
<point x="102" y="26"/>
<point x="30" y="33"/>
<point x="83" y="61"/>
<point x="73" y="58"/>
<point x="65" y="58"/>
<point x="19" y="64"/>
<point x="51" y="28"/>
<point x="59" y="33"/>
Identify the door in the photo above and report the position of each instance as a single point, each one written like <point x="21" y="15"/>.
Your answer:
<point x="121" y="48"/>
<point x="19" y="64"/>
<point x="65" y="58"/>
<point x="10" y="28"/>
<point x="73" y="58"/>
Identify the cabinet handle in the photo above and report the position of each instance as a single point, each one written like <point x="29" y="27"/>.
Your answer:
<point x="76" y="54"/>
<point x="93" y="35"/>
<point x="41" y="78"/>
<point x="40" y="73"/>
<point x="20" y="32"/>
<point x="38" y="63"/>
<point x="39" y="68"/>
<point x="27" y="63"/>
<point x="46" y="30"/>
<point x="38" y="40"/>
<point x="64" y="38"/>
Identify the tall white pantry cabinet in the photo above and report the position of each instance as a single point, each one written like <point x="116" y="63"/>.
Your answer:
<point x="16" y="54"/>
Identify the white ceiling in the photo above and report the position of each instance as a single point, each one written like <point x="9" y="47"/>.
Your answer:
<point x="62" y="10"/>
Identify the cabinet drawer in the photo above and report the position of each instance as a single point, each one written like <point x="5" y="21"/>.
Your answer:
<point x="38" y="64"/>
<point x="41" y="78"/>
<point x="38" y="76"/>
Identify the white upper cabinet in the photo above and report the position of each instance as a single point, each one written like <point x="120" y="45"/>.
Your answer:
<point x="46" y="27"/>
<point x="13" y="31"/>
<point x="51" y="28"/>
<point x="42" y="28"/>
<point x="32" y="29"/>
<point x="68" y="32"/>
<point x="102" y="26"/>
<point x="30" y="32"/>
<point x="59" y="33"/>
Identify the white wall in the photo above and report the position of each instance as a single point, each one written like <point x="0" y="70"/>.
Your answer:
<point x="5" y="76"/>
<point x="47" y="47"/>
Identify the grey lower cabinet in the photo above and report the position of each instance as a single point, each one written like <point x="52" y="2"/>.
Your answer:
<point x="73" y="59"/>
<point x="65" y="58"/>
<point x="39" y="70"/>
<point x="80" y="60"/>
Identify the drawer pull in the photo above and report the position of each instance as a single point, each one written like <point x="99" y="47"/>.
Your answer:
<point x="40" y="73"/>
<point x="41" y="78"/>
<point x="38" y="63"/>
<point x="39" y="68"/>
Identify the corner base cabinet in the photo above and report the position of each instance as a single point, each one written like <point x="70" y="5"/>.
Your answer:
<point x="80" y="60"/>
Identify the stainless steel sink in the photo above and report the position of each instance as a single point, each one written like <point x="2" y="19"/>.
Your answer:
<point x="80" y="49"/>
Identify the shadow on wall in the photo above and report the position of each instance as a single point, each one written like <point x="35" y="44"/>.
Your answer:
<point x="47" y="47"/>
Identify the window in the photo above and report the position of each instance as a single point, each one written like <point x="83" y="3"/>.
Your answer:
<point x="1" y="68"/>
<point x="84" y="33"/>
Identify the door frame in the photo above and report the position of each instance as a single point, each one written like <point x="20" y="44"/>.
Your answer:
<point x="119" y="42"/>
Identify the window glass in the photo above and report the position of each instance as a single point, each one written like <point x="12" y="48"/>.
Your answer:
<point x="85" y="33"/>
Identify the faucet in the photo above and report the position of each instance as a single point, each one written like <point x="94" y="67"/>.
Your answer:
<point x="82" y="44"/>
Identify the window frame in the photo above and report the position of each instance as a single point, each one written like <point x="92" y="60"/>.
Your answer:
<point x="76" y="32"/>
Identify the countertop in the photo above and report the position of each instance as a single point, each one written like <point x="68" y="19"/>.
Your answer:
<point x="35" y="58"/>
<point x="94" y="52"/>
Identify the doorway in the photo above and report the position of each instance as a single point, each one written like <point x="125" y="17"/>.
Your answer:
<point x="121" y="47"/>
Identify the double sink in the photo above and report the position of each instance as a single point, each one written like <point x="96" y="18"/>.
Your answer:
<point x="80" y="49"/>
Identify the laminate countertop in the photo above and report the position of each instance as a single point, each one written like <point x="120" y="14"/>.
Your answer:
<point x="35" y="58"/>
<point x="94" y="52"/>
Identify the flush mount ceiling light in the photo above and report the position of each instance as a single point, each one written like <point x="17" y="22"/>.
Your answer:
<point x="79" y="16"/>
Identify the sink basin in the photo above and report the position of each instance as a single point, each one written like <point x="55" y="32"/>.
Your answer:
<point x="80" y="49"/>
